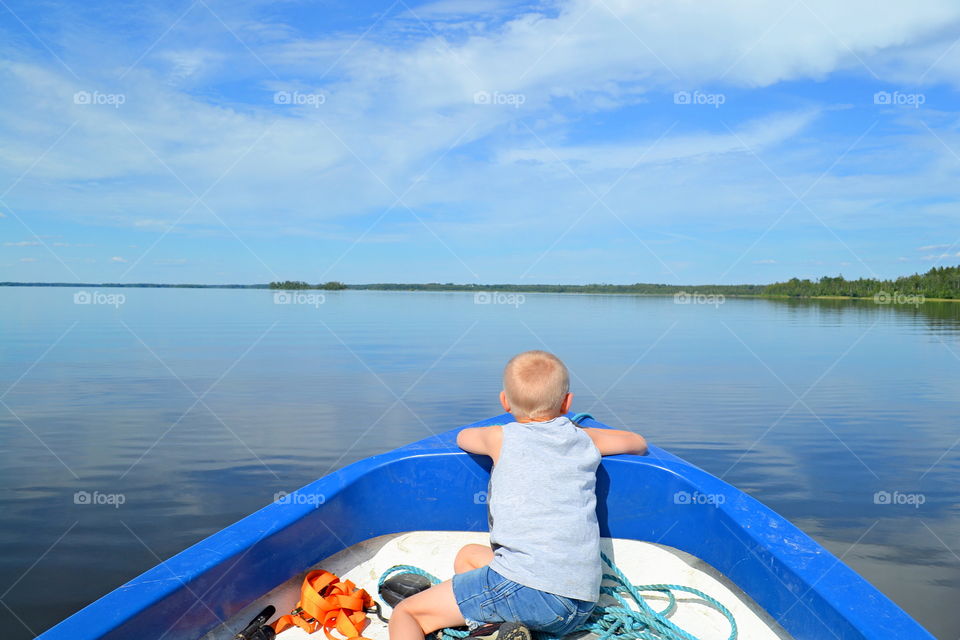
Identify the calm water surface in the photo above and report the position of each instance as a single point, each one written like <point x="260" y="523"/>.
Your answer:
<point x="197" y="406"/>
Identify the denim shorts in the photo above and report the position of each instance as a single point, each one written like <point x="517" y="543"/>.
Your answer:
<point x="483" y="595"/>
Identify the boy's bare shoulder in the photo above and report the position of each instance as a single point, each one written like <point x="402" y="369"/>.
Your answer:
<point x="481" y="440"/>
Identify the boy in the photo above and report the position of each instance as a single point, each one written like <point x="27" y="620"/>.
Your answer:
<point x="542" y="570"/>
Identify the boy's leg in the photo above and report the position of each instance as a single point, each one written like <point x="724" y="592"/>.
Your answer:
<point x="472" y="556"/>
<point x="425" y="612"/>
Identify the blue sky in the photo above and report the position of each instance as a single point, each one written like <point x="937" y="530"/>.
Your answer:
<point x="478" y="140"/>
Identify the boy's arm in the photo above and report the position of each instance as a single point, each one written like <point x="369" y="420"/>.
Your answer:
<point x="481" y="440"/>
<point x="610" y="442"/>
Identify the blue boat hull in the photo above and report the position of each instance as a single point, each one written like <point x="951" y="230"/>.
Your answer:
<point x="433" y="485"/>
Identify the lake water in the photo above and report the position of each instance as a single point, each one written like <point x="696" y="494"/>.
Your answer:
<point x="194" y="407"/>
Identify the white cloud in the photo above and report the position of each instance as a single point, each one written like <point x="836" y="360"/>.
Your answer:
<point x="118" y="259"/>
<point x="586" y="46"/>
<point x="28" y="259"/>
<point x="191" y="64"/>
<point x="754" y="136"/>
<point x="22" y="243"/>
<point x="399" y="98"/>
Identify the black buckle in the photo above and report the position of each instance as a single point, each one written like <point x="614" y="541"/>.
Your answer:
<point x="299" y="612"/>
<point x="375" y="609"/>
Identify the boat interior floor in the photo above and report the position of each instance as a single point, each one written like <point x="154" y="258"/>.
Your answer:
<point x="434" y="551"/>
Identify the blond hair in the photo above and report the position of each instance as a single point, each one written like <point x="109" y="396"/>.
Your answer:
<point x="535" y="383"/>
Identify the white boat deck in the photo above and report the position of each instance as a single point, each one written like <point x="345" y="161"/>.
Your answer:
<point x="434" y="551"/>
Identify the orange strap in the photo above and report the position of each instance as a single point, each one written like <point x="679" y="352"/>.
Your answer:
<point x="327" y="602"/>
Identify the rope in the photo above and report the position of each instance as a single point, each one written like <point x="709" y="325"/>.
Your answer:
<point x="616" y="619"/>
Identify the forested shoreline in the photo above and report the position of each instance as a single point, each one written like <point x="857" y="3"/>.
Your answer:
<point x="939" y="283"/>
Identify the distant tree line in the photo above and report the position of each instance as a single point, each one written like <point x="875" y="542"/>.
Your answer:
<point x="939" y="282"/>
<point x="333" y="285"/>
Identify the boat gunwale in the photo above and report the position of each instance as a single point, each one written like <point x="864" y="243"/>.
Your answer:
<point x="789" y="555"/>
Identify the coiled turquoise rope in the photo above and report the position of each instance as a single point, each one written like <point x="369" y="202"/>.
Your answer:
<point x="616" y="620"/>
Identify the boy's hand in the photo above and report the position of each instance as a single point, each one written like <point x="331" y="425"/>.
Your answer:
<point x="610" y="442"/>
<point x="484" y="441"/>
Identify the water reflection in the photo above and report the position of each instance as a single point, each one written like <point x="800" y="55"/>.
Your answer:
<point x="813" y="407"/>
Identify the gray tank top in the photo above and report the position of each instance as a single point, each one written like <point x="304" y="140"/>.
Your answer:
<point x="542" y="508"/>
